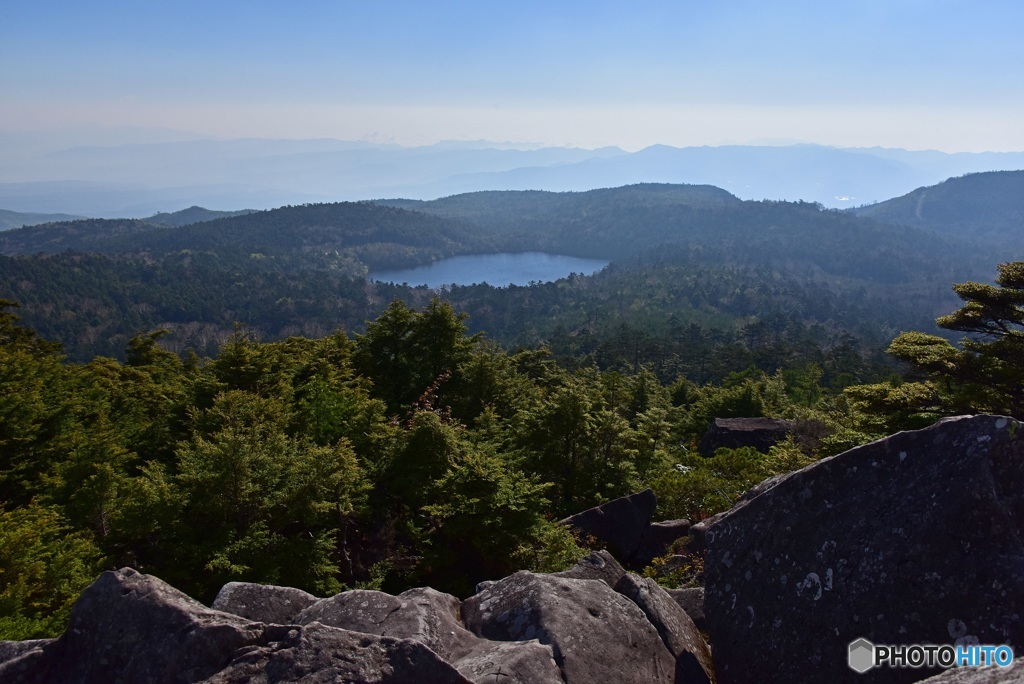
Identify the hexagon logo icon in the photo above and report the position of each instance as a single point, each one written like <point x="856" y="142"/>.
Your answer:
<point x="862" y="656"/>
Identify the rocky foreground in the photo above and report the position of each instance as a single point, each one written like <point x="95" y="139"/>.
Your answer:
<point x="917" y="538"/>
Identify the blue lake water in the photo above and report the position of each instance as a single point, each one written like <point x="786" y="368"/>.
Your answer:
<point x="499" y="270"/>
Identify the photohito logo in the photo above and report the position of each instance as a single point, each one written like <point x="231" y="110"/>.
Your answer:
<point x="864" y="655"/>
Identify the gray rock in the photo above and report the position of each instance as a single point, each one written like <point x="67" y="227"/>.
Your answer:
<point x="620" y="524"/>
<point x="262" y="602"/>
<point x="319" y="654"/>
<point x="1014" y="674"/>
<point x="691" y="600"/>
<point x="599" y="565"/>
<point x="916" y="538"/>
<point x="9" y="650"/>
<point x="510" y="662"/>
<point x="596" y="634"/>
<point x="128" y="627"/>
<point x="23" y="661"/>
<point x="677" y="631"/>
<point x="734" y="433"/>
<point x="424" y="615"/>
<point x="432" y="618"/>
<point x="656" y="540"/>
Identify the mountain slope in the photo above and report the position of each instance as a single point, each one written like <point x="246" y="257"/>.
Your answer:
<point x="83" y="235"/>
<point x="347" y="236"/>
<point x="977" y="207"/>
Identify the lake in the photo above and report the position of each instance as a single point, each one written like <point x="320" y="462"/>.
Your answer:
<point x="498" y="270"/>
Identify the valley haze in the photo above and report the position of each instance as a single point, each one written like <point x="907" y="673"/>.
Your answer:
<point x="140" y="179"/>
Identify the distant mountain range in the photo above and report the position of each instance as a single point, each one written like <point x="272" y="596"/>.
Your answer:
<point x="138" y="180"/>
<point x="17" y="219"/>
<point x="14" y="219"/>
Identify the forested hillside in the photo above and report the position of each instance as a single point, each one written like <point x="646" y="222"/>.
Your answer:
<point x="682" y="256"/>
<point x="17" y="219"/>
<point x="322" y="236"/>
<point x="975" y="208"/>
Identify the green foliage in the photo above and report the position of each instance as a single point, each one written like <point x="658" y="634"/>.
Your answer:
<point x="750" y="394"/>
<point x="885" y="408"/>
<point x="554" y="548"/>
<point x="677" y="570"/>
<point x="482" y="512"/>
<point x="405" y="352"/>
<point x="987" y="372"/>
<point x="33" y="399"/>
<point x="419" y="452"/>
<point x="258" y="505"/>
<point x="695" y="487"/>
<point x="43" y="567"/>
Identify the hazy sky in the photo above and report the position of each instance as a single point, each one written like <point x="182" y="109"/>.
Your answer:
<point x="942" y="74"/>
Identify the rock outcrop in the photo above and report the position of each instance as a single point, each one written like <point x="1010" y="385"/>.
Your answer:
<point x="524" y="629"/>
<point x="916" y="538"/>
<point x="262" y="602"/>
<point x="691" y="599"/>
<point x="433" y="618"/>
<point x="1014" y="674"/>
<point x="733" y="433"/>
<point x="677" y="630"/>
<point x="599" y="565"/>
<point x="624" y="526"/>
<point x="593" y="631"/>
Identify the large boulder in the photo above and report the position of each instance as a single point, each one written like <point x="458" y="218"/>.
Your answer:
<point x="424" y="615"/>
<point x="734" y="433"/>
<point x="657" y="539"/>
<point x="624" y="526"/>
<point x="128" y="627"/>
<point x="691" y="600"/>
<point x="262" y="602"/>
<point x="318" y="654"/>
<point x="916" y="538"/>
<point x="620" y="523"/>
<point x="599" y="565"/>
<point x="677" y="630"/>
<point x="433" y="619"/>
<point x="596" y="634"/>
<point x="23" y="661"/>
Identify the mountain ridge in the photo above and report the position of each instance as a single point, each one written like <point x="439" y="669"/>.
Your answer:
<point x="139" y="180"/>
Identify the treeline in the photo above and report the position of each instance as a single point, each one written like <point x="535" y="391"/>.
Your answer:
<point x="415" y="454"/>
<point x="675" y="310"/>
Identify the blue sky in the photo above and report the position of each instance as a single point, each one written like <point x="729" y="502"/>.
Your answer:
<point x="942" y="74"/>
